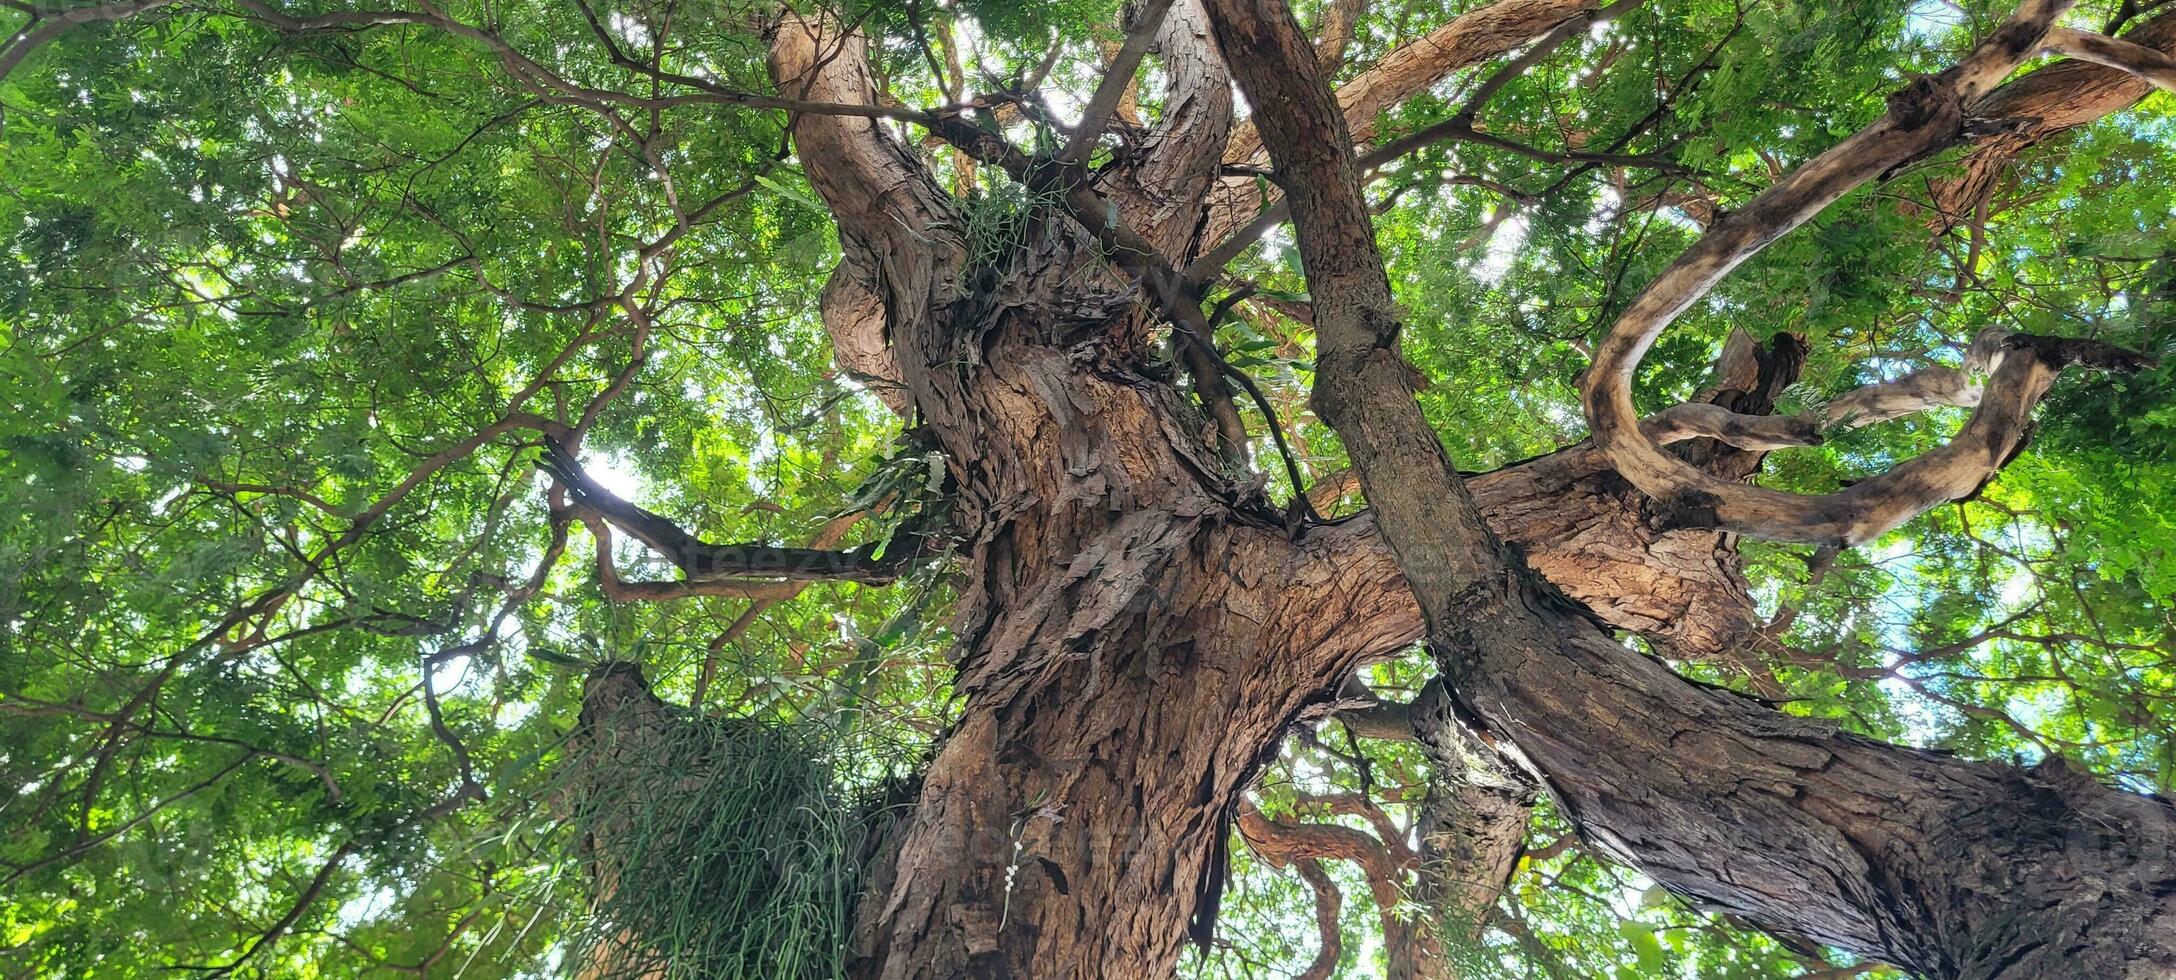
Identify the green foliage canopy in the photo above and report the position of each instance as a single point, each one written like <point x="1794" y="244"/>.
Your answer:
<point x="291" y="639"/>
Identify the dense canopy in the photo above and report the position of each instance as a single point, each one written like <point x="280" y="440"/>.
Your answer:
<point x="342" y="348"/>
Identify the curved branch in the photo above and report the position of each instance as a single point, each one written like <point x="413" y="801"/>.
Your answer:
<point x="1927" y="116"/>
<point x="46" y="25"/>
<point x="1930" y="387"/>
<point x="1281" y="842"/>
<point x="2100" y="49"/>
<point x="1942" y="866"/>
<point x="1328" y="903"/>
<point x="1409" y="69"/>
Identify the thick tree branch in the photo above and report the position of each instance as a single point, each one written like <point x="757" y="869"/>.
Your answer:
<point x="1162" y="192"/>
<point x="2100" y="49"/>
<point x="1945" y="867"/>
<point x="1340" y="23"/>
<point x="2041" y="106"/>
<point x="1116" y="80"/>
<point x="1590" y="534"/>
<point x="899" y="231"/>
<point x="1462" y="42"/>
<point x="1460" y="126"/>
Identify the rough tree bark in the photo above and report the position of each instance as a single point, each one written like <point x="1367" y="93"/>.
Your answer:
<point x="1133" y="636"/>
<point x="1140" y="627"/>
<point x="1946" y="867"/>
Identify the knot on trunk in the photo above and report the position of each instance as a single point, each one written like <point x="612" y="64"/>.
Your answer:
<point x="1928" y="100"/>
<point x="1689" y="509"/>
<point x="1929" y="111"/>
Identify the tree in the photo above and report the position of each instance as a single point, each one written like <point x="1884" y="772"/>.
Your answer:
<point x="306" y="299"/>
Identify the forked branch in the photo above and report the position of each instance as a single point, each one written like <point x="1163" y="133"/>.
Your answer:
<point x="1104" y="103"/>
<point x="2040" y="106"/>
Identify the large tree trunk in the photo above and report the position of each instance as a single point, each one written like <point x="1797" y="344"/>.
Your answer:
<point x="1132" y="636"/>
<point x="1140" y="627"/>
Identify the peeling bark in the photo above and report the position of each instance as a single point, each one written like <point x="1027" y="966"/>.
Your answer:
<point x="1139" y="628"/>
<point x="1472" y="834"/>
<point x="899" y="232"/>
<point x="853" y="317"/>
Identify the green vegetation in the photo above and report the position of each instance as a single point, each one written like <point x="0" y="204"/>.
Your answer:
<point x="294" y="635"/>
